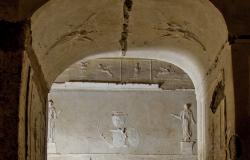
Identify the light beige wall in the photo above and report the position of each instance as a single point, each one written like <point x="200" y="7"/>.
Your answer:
<point x="84" y="115"/>
<point x="189" y="34"/>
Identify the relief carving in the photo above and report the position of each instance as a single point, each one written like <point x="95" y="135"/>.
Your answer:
<point x="137" y="70"/>
<point x="187" y="118"/>
<point x="164" y="71"/>
<point x="52" y="116"/>
<point x="105" y="69"/>
<point x="119" y="135"/>
<point x="78" y="33"/>
<point x="175" y="30"/>
<point x="84" y="66"/>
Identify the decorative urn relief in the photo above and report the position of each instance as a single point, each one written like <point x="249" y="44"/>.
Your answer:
<point x="119" y="135"/>
<point x="119" y="120"/>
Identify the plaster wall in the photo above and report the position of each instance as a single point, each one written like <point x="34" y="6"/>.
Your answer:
<point x="8" y="112"/>
<point x="194" y="38"/>
<point x="84" y="116"/>
<point x="32" y="116"/>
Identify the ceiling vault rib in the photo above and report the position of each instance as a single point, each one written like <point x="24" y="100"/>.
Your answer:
<point x="127" y="8"/>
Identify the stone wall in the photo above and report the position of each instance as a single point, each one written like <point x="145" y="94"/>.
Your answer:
<point x="11" y="59"/>
<point x="31" y="134"/>
<point x="84" y="121"/>
<point x="127" y="70"/>
<point x="8" y="136"/>
<point x="241" y="62"/>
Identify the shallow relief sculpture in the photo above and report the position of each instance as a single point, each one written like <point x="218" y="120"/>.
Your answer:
<point x="52" y="116"/>
<point x="137" y="70"/>
<point x="187" y="119"/>
<point x="105" y="69"/>
<point x="121" y="136"/>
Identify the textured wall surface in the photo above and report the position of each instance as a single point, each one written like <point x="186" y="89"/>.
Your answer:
<point x="84" y="120"/>
<point x="125" y="70"/>
<point x="237" y="17"/>
<point x="242" y="92"/>
<point x="11" y="57"/>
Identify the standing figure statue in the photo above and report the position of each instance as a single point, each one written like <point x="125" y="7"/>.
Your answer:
<point x="52" y="116"/>
<point x="186" y="117"/>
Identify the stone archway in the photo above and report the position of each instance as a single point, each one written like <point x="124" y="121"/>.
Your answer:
<point x="191" y="35"/>
<point x="147" y="91"/>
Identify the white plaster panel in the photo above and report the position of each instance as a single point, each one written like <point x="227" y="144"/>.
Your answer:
<point x="84" y="119"/>
<point x="119" y="157"/>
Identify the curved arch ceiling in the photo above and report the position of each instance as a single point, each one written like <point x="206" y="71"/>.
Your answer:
<point x="65" y="31"/>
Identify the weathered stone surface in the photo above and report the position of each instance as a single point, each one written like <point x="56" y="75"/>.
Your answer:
<point x="18" y="10"/>
<point x="241" y="63"/>
<point x="187" y="148"/>
<point x="124" y="70"/>
<point x="136" y="70"/>
<point x="237" y="17"/>
<point x="11" y="59"/>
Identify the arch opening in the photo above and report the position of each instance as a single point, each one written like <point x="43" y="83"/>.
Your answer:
<point x="191" y="35"/>
<point x="151" y="94"/>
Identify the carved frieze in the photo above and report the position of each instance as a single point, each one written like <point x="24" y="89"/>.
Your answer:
<point x="136" y="70"/>
<point x="163" y="70"/>
<point x="104" y="70"/>
<point x="124" y="70"/>
<point x="170" y="76"/>
<point x="84" y="66"/>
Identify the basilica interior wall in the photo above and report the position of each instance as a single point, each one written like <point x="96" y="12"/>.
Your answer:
<point x="32" y="112"/>
<point x="241" y="63"/>
<point x="236" y="14"/>
<point x="32" y="115"/>
<point x="175" y="39"/>
<point x="220" y="106"/>
<point x="84" y="123"/>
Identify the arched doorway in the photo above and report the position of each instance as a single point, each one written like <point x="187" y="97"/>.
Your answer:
<point x="191" y="35"/>
<point x="147" y="95"/>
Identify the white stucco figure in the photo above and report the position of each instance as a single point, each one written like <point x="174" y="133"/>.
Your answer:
<point x="187" y="118"/>
<point x="137" y="70"/>
<point x="52" y="116"/>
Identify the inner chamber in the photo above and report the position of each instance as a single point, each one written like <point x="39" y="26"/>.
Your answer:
<point x="122" y="108"/>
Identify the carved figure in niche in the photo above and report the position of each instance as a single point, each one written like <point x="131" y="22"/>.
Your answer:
<point x="137" y="70"/>
<point x="164" y="71"/>
<point x="119" y="135"/>
<point x="52" y="116"/>
<point x="84" y="66"/>
<point x="105" y="69"/>
<point x="187" y="118"/>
